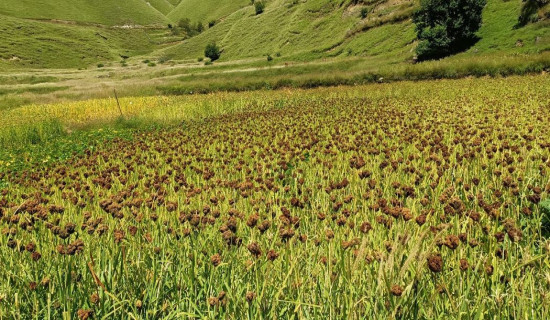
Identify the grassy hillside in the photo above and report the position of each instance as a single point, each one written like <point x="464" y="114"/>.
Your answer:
<point x="163" y="6"/>
<point x="26" y="43"/>
<point x="287" y="30"/>
<point x="328" y="28"/>
<point x="500" y="34"/>
<point x="206" y="10"/>
<point x="174" y="2"/>
<point x="108" y="12"/>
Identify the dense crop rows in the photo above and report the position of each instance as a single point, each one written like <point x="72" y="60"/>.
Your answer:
<point x="422" y="201"/>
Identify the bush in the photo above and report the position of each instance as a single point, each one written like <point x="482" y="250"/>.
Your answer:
<point x="164" y="59"/>
<point x="199" y="28"/>
<point x="259" y="6"/>
<point x="152" y="64"/>
<point x="190" y="30"/>
<point x="269" y="57"/>
<point x="185" y="25"/>
<point x="529" y="11"/>
<point x="364" y="13"/>
<point x="211" y="23"/>
<point x="212" y="51"/>
<point x="447" y="26"/>
<point x="100" y="65"/>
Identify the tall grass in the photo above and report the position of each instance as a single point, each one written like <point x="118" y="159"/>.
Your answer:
<point x="311" y="77"/>
<point x="32" y="133"/>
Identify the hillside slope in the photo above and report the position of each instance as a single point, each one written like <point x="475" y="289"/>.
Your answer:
<point x="107" y="12"/>
<point x="163" y="6"/>
<point x="206" y="10"/>
<point x="305" y="30"/>
<point x="297" y="30"/>
<point x="36" y="44"/>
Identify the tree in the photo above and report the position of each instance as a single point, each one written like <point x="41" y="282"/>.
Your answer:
<point x="199" y="27"/>
<point x="364" y="13"/>
<point x="445" y="27"/>
<point x="259" y="6"/>
<point x="212" y="51"/>
<point x="185" y="25"/>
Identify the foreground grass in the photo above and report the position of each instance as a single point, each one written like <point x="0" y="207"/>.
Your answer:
<point x="405" y="200"/>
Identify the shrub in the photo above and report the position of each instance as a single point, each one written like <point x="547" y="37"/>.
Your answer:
<point x="211" y="23"/>
<point x="175" y="30"/>
<point x="259" y="6"/>
<point x="212" y="51"/>
<point x="447" y="26"/>
<point x="529" y="11"/>
<point x="152" y="64"/>
<point x="269" y="57"/>
<point x="164" y="59"/>
<point x="199" y="28"/>
<point x="100" y="65"/>
<point x="364" y="13"/>
<point x="185" y="25"/>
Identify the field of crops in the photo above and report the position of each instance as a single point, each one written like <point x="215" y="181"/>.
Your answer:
<point x="405" y="200"/>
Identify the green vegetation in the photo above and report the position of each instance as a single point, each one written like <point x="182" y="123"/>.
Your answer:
<point x="533" y="11"/>
<point x="163" y="6"/>
<point x="259" y="7"/>
<point x="30" y="44"/>
<point x="345" y="73"/>
<point x="108" y="12"/>
<point x="299" y="31"/>
<point x="402" y="201"/>
<point x="14" y="79"/>
<point x="212" y="51"/>
<point x="190" y="30"/>
<point x="38" y="90"/>
<point x="206" y="10"/>
<point x="294" y="180"/>
<point x="445" y="27"/>
<point x="307" y="31"/>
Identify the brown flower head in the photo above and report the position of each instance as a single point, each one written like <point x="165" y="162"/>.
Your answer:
<point x="435" y="262"/>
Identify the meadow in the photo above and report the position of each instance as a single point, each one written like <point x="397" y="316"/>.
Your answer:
<point x="405" y="200"/>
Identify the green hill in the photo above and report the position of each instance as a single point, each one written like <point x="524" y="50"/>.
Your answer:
<point x="35" y="44"/>
<point x="107" y="12"/>
<point x="206" y="10"/>
<point x="306" y="30"/>
<point x="174" y="2"/>
<point x="163" y="6"/>
<point x="296" y="30"/>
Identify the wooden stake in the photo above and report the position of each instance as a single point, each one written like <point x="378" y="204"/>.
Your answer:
<point x="118" y="104"/>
